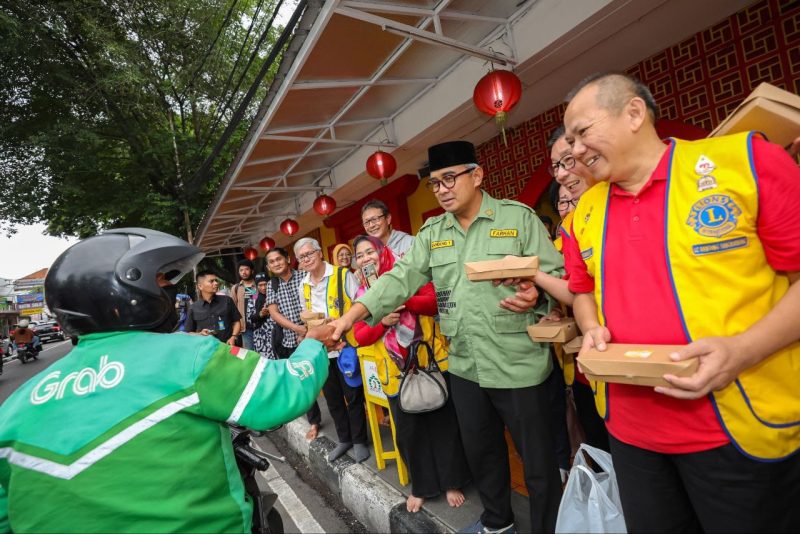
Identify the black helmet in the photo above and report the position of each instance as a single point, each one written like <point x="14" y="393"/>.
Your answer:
<point x="109" y="282"/>
<point x="260" y="277"/>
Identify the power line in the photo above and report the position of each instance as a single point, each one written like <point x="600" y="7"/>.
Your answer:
<point x="221" y="112"/>
<point x="225" y="103"/>
<point x="200" y="175"/>
<point x="241" y="48"/>
<point x="210" y="49"/>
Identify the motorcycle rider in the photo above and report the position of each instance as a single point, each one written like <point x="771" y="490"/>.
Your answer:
<point x="24" y="334"/>
<point x="127" y="433"/>
<point x="5" y="350"/>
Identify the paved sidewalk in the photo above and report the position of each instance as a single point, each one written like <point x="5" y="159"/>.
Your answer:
<point x="375" y="497"/>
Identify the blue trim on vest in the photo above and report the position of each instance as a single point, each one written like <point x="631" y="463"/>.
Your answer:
<point x="601" y="260"/>
<point x="666" y="243"/>
<point x="750" y="158"/>
<point x="736" y="445"/>
<point x="327" y="288"/>
<point x="752" y="162"/>
<point x="763" y="422"/>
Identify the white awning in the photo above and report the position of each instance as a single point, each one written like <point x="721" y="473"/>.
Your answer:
<point x="400" y="76"/>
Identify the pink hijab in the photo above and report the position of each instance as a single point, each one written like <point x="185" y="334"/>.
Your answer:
<point x="399" y="337"/>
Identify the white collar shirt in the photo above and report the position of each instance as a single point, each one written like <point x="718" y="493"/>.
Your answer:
<point x="319" y="292"/>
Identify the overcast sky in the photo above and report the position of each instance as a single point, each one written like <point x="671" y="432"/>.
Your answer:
<point x="29" y="250"/>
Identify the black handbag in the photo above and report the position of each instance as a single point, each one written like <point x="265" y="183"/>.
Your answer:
<point x="422" y="389"/>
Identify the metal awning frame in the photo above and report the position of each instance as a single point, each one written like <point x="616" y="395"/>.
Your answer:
<point x="325" y="133"/>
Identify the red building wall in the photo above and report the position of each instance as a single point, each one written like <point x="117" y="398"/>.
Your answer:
<point x="698" y="81"/>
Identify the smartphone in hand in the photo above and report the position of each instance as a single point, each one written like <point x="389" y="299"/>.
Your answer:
<point x="370" y="272"/>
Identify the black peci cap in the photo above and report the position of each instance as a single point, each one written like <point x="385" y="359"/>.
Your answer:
<point x="451" y="154"/>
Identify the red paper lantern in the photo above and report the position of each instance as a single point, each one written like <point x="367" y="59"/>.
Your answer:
<point x="250" y="253"/>
<point x="324" y="205"/>
<point x="496" y="93"/>
<point x="289" y="227"/>
<point x="266" y="244"/>
<point x="381" y="166"/>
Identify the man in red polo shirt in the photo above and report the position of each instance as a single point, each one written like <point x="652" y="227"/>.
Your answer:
<point x="691" y="457"/>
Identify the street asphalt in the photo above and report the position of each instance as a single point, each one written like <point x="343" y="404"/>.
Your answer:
<point x="15" y="373"/>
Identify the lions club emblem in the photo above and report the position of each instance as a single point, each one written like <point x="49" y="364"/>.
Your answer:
<point x="714" y="215"/>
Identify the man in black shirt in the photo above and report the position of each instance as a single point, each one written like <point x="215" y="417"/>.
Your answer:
<point x="213" y="314"/>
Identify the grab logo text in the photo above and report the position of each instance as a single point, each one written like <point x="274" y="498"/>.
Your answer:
<point x="80" y="383"/>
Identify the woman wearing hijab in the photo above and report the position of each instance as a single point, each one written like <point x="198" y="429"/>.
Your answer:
<point x="343" y="255"/>
<point x="262" y="325"/>
<point x="430" y="443"/>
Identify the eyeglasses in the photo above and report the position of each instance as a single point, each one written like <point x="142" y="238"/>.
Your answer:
<point x="566" y="163"/>
<point x="307" y="256"/>
<point x="565" y="204"/>
<point x="372" y="220"/>
<point x="448" y="181"/>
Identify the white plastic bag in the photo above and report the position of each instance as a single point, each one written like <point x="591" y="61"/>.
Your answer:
<point x="591" y="500"/>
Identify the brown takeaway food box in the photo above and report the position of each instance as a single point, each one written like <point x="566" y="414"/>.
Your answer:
<point x="641" y="365"/>
<point x="768" y="109"/>
<point x="574" y="346"/>
<point x="554" y="332"/>
<point x="508" y="267"/>
<point x="306" y="315"/>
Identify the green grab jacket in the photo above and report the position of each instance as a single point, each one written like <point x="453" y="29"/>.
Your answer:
<point x="128" y="433"/>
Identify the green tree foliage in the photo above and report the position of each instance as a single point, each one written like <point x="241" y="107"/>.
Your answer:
<point x="109" y="107"/>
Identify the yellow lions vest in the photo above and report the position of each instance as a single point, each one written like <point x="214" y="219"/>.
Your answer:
<point x="567" y="364"/>
<point x="565" y="361"/>
<point x="721" y="281"/>
<point x="565" y="225"/>
<point x="335" y="289"/>
<point x="389" y="373"/>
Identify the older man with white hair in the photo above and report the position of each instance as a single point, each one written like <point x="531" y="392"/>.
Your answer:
<point x="329" y="290"/>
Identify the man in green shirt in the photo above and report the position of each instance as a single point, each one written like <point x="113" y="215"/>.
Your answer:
<point x="499" y="376"/>
<point x="128" y="432"/>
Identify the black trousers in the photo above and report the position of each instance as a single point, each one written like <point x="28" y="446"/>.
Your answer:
<point x="719" y="490"/>
<point x="482" y="415"/>
<point x="346" y="406"/>
<point x="593" y="425"/>
<point x="314" y="415"/>
<point x="430" y="444"/>
<point x="558" y="413"/>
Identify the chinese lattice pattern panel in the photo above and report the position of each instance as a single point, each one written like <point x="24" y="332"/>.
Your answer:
<point x="698" y="81"/>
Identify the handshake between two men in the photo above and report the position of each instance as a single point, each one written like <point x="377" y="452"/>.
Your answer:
<point x="325" y="334"/>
